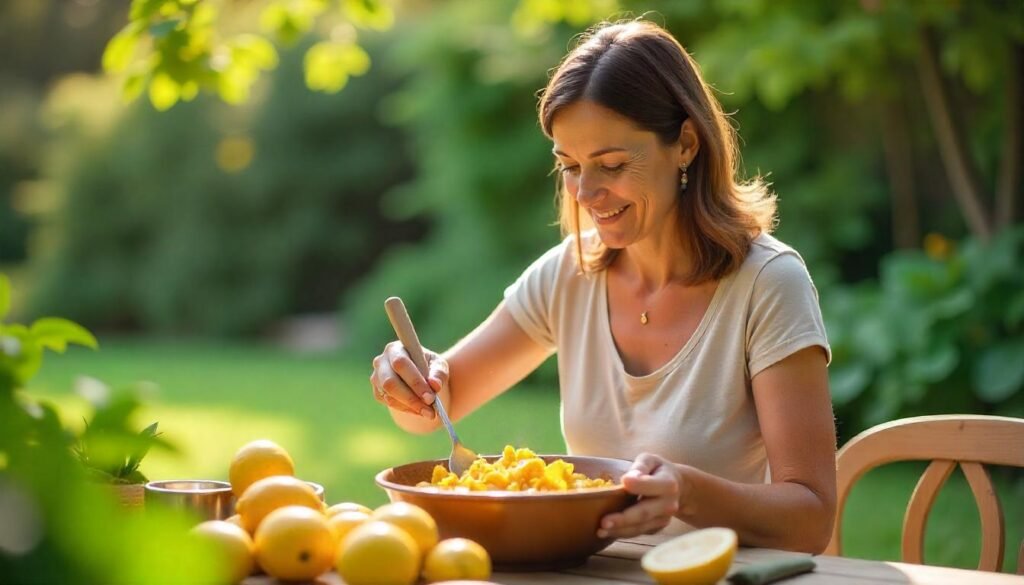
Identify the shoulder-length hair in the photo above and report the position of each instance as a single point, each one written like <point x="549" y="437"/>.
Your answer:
<point x="640" y="71"/>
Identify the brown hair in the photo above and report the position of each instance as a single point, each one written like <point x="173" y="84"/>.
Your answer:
<point x="640" y="71"/>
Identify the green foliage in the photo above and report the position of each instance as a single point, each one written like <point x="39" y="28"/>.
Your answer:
<point x="59" y="527"/>
<point x="483" y="179"/>
<point x="174" y="48"/>
<point x="109" y="448"/>
<point x="227" y="219"/>
<point x="942" y="334"/>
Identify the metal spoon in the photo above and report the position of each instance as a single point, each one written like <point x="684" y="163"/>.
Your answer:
<point x="461" y="457"/>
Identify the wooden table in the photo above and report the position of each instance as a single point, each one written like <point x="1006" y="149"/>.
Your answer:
<point x="619" y="564"/>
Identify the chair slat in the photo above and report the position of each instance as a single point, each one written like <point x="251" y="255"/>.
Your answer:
<point x="970" y="440"/>
<point x="991" y="513"/>
<point x="921" y="501"/>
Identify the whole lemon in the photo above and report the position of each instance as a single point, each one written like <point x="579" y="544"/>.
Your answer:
<point x="236" y="520"/>
<point x="347" y="507"/>
<point x="294" y="543"/>
<point x="257" y="460"/>
<point x="457" y="558"/>
<point x="415" y="520"/>
<point x="378" y="553"/>
<point x="271" y="493"/>
<point x="345" y="522"/>
<point x="232" y="545"/>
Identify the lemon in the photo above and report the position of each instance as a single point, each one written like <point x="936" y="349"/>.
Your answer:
<point x="232" y="545"/>
<point x="257" y="460"/>
<point x="456" y="558"/>
<point x="344" y="522"/>
<point x="415" y="520"/>
<point x="271" y="493"/>
<point x="236" y="520"/>
<point x="347" y="507"/>
<point x="701" y="557"/>
<point x="294" y="543"/>
<point x="378" y="553"/>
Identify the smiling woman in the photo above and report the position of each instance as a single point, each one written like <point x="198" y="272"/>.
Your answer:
<point x="689" y="340"/>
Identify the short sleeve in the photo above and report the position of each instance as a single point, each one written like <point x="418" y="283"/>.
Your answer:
<point x="530" y="299"/>
<point x="784" y="314"/>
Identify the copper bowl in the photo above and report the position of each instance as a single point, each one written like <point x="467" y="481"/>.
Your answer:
<point x="521" y="531"/>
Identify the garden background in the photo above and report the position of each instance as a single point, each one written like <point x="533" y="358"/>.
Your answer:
<point x="231" y="232"/>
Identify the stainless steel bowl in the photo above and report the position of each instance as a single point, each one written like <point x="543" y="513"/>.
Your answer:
<point x="208" y="499"/>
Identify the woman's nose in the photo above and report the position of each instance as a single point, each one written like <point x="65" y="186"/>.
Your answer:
<point x="590" y="190"/>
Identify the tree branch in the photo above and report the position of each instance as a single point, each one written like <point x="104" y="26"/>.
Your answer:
<point x="952" y="145"/>
<point x="1008" y="184"/>
<point x="899" y="166"/>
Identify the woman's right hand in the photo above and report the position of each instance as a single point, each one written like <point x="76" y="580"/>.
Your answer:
<point x="398" y="384"/>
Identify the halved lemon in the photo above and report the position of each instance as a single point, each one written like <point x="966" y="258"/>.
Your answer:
<point x="701" y="557"/>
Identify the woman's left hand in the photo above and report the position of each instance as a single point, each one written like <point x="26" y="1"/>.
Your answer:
<point x="660" y="484"/>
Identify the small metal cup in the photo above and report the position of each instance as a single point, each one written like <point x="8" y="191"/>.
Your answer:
<point x="209" y="499"/>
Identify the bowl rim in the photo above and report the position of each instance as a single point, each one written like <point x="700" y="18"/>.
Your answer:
<point x="159" y="487"/>
<point x="434" y="492"/>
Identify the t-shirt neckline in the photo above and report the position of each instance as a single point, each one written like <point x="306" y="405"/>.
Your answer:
<point x="662" y="370"/>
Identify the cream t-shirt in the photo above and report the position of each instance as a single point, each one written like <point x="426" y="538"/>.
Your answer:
<point x="698" y="408"/>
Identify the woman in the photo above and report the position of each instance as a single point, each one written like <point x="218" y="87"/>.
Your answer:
<point x="689" y="340"/>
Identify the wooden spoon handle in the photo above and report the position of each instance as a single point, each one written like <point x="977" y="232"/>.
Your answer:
<point x="400" y="321"/>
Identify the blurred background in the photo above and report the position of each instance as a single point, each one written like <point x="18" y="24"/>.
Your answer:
<point x="230" y="241"/>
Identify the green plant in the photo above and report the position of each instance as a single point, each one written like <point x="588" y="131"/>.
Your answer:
<point x="937" y="333"/>
<point x="110" y="456"/>
<point x="67" y="529"/>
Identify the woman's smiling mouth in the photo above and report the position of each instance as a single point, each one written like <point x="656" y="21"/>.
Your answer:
<point x="610" y="215"/>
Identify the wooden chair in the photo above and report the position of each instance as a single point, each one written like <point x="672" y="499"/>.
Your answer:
<point x="946" y="440"/>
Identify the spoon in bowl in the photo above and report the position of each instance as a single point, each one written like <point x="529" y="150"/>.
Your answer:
<point x="461" y="456"/>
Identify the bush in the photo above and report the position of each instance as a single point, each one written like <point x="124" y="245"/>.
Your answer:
<point x="937" y="333"/>
<point x="210" y="220"/>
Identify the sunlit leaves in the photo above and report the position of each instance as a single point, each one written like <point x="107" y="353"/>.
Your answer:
<point x="328" y="65"/>
<point x="290" y="21"/>
<point x="371" y="14"/>
<point x="121" y="47"/>
<point x="164" y="92"/>
<point x="55" y="334"/>
<point x="532" y="16"/>
<point x="171" y="49"/>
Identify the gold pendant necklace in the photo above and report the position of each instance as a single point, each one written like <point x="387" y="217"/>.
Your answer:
<point x="643" y="318"/>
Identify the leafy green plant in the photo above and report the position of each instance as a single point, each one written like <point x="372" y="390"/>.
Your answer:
<point x="937" y="333"/>
<point x="67" y="529"/>
<point x="111" y="458"/>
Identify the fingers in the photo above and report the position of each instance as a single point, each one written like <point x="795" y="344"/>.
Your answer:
<point x="437" y="378"/>
<point x="657" y="483"/>
<point x="647" y="516"/>
<point x="645" y="464"/>
<point x="398" y="384"/>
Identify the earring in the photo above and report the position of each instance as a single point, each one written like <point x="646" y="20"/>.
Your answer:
<point x="683" y="178"/>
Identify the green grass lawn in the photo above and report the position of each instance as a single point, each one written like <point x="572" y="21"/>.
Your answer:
<point x="212" y="398"/>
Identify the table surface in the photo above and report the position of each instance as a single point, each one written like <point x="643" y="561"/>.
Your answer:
<point x="620" y="564"/>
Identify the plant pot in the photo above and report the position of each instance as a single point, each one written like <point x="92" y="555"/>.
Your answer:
<point x="130" y="496"/>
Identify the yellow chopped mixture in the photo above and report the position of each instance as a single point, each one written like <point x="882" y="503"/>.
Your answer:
<point x="517" y="470"/>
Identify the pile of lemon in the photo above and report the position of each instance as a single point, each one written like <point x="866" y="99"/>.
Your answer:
<point x="284" y="528"/>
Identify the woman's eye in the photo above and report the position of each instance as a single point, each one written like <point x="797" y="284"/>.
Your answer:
<point x="613" y="168"/>
<point x="569" y="170"/>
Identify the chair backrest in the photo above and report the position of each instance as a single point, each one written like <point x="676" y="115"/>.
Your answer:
<point x="971" y="441"/>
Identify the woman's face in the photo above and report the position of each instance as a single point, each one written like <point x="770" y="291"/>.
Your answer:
<point x="625" y="178"/>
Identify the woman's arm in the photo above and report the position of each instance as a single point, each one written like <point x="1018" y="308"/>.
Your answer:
<point x="795" y="511"/>
<point x="491" y="359"/>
